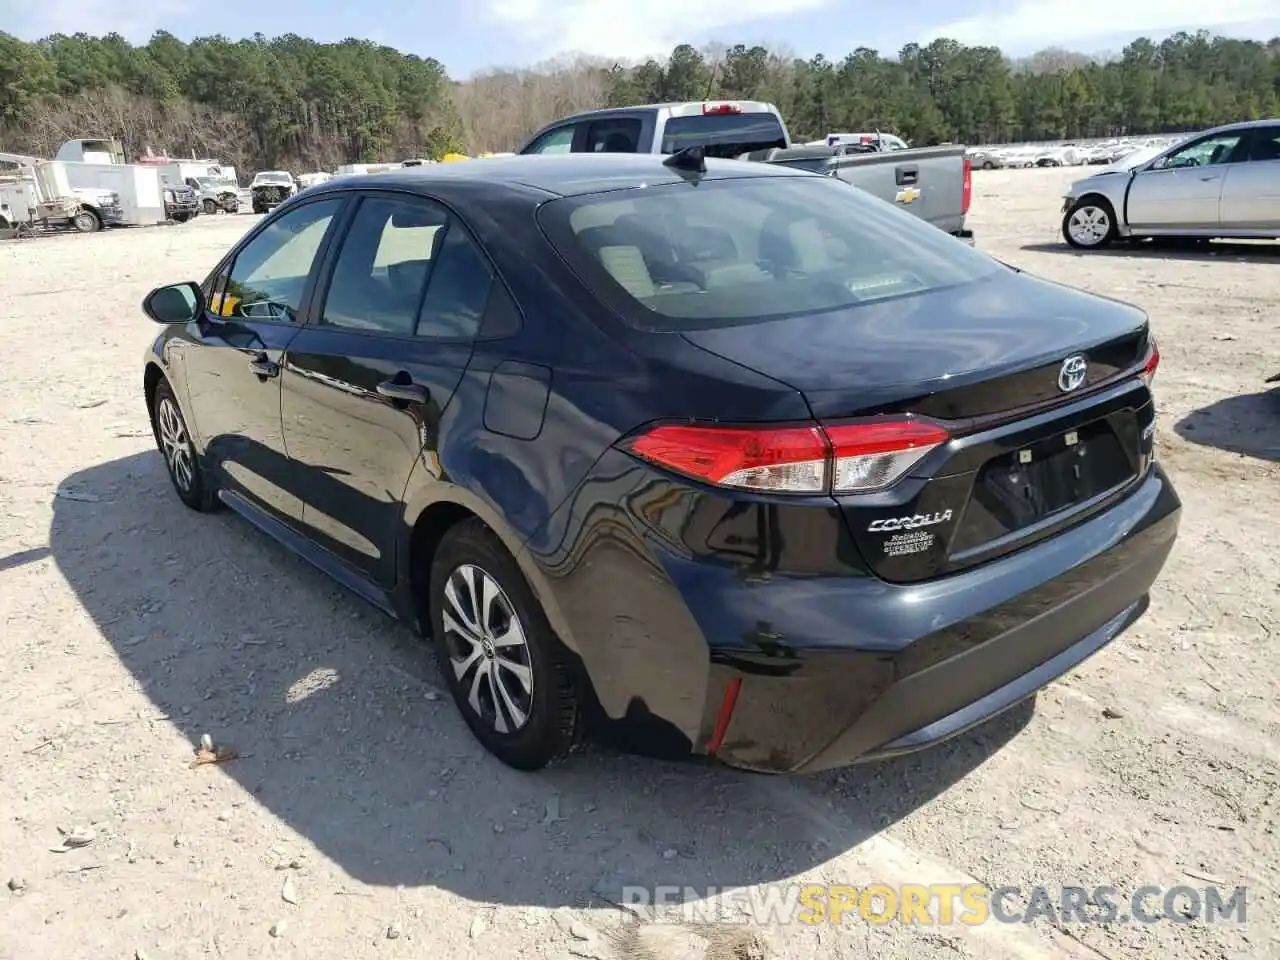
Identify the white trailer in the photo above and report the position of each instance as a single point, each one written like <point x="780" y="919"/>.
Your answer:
<point x="97" y="164"/>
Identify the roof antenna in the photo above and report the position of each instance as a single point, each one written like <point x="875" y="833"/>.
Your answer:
<point x="693" y="159"/>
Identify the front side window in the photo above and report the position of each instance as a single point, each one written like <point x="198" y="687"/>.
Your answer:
<point x="269" y="274"/>
<point x="557" y="141"/>
<point x="751" y="249"/>
<point x="1202" y="153"/>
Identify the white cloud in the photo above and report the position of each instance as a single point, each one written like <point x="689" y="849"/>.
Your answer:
<point x="1023" y="26"/>
<point x="627" y="29"/>
<point x="135" y="20"/>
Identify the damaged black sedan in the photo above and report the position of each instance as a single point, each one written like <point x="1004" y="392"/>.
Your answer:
<point x="718" y="458"/>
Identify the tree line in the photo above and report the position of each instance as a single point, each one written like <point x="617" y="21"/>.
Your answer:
<point x="289" y="102"/>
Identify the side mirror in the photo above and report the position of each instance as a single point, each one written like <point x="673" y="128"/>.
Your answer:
<point x="176" y="303"/>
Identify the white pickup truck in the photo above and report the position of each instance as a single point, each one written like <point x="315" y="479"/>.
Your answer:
<point x="934" y="183"/>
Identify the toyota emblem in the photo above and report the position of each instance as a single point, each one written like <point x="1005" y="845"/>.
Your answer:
<point x="1073" y="372"/>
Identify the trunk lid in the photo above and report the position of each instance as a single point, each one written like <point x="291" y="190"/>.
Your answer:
<point x="990" y="360"/>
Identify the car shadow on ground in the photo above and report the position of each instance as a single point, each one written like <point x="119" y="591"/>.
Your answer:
<point x="343" y="737"/>
<point x="1247" y="424"/>
<point x="1215" y="250"/>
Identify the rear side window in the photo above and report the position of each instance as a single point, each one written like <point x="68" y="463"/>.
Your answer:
<point x="618" y="135"/>
<point x="407" y="268"/>
<point x="382" y="269"/>
<point x="458" y="291"/>
<point x="743" y="250"/>
<point x="1266" y="145"/>
<point x="724" y="135"/>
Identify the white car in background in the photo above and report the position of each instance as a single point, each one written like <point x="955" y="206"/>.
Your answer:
<point x="1219" y="184"/>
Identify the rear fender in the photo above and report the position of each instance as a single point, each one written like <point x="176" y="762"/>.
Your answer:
<point x="428" y="488"/>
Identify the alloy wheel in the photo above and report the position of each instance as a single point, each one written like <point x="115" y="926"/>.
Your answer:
<point x="487" y="649"/>
<point x="175" y="445"/>
<point x="1089" y="226"/>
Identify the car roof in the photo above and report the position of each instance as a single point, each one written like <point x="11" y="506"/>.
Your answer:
<point x="757" y="105"/>
<point x="563" y="175"/>
<point x="1242" y="125"/>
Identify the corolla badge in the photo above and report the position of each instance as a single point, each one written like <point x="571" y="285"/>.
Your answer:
<point x="913" y="522"/>
<point x="1073" y="372"/>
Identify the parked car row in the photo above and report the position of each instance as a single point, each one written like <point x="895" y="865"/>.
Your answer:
<point x="1062" y="155"/>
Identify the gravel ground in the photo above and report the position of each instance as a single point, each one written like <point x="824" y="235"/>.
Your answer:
<point x="361" y="819"/>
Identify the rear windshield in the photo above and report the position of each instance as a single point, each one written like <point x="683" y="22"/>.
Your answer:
<point x="724" y="135"/>
<point x="742" y="250"/>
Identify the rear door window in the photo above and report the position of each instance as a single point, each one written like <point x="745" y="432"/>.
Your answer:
<point x="381" y="272"/>
<point x="1265" y="145"/>
<point x="617" y="135"/>
<point x="724" y="135"/>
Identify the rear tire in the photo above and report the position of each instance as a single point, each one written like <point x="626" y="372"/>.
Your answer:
<point x="508" y="672"/>
<point x="186" y="470"/>
<point x="1090" y="224"/>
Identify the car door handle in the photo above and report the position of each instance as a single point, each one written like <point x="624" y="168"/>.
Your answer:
<point x="1212" y="176"/>
<point x="264" y="367"/>
<point x="404" y="392"/>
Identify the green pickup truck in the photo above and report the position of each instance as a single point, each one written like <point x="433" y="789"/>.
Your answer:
<point x="934" y="183"/>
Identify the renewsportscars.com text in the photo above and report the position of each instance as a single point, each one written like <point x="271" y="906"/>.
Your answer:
<point x="938" y="904"/>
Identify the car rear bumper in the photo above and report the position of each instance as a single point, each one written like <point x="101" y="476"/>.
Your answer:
<point x="1011" y="627"/>
<point x="799" y="673"/>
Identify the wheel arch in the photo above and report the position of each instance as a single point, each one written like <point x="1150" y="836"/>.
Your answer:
<point x="427" y="518"/>
<point x="156" y="370"/>
<point x="1094" y="198"/>
<point x="151" y="378"/>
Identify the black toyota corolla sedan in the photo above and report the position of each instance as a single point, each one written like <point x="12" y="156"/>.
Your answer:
<point x="714" y="458"/>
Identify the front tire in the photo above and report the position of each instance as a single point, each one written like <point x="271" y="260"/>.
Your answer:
<point x="210" y="207"/>
<point x="173" y="439"/>
<point x="507" y="670"/>
<point x="1090" y="224"/>
<point x="86" y="221"/>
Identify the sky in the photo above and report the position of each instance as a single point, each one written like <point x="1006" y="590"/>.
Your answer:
<point x="472" y="35"/>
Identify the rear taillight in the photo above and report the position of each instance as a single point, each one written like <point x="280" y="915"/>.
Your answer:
<point x="787" y="459"/>
<point x="1151" y="362"/>
<point x="848" y="458"/>
<point x="966" y="193"/>
<point x="720" y="108"/>
<point x="871" y="456"/>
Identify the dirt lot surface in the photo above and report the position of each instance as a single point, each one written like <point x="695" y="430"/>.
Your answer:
<point x="361" y="818"/>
